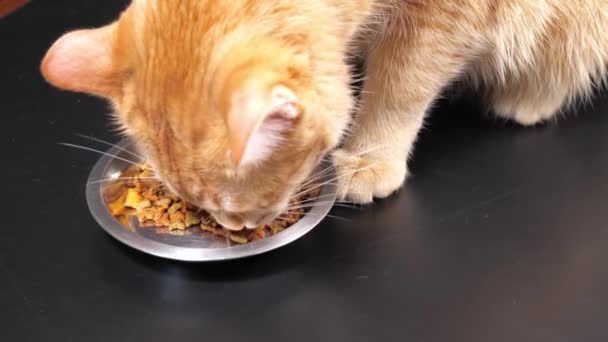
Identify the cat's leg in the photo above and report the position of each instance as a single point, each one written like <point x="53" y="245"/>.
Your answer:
<point x="566" y="61"/>
<point x="528" y="105"/>
<point x="402" y="81"/>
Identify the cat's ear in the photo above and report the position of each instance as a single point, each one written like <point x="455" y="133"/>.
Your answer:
<point x="258" y="118"/>
<point x="81" y="61"/>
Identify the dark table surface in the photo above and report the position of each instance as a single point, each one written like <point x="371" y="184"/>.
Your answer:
<point x="500" y="235"/>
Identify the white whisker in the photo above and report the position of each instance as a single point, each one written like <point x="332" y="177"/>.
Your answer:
<point x="122" y="178"/>
<point x="316" y="176"/>
<point x="142" y="159"/>
<point x="311" y="205"/>
<point x="100" y="152"/>
<point x="344" y="174"/>
<point x="331" y="216"/>
<point x="369" y="149"/>
<point x="312" y="199"/>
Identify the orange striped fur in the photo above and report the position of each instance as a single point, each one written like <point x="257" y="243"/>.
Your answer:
<point x="236" y="102"/>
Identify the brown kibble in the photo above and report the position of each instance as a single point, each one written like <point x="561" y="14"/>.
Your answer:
<point x="206" y="227"/>
<point x="177" y="216"/>
<point x="145" y="214"/>
<point x="174" y="207"/>
<point x="149" y="194"/>
<point x="191" y="219"/>
<point x="177" y="225"/>
<point x="177" y="232"/>
<point x="163" y="203"/>
<point x="275" y="228"/>
<point x="164" y="220"/>
<point x="156" y="206"/>
<point x="238" y="238"/>
<point x="144" y="204"/>
<point x="172" y="197"/>
<point x="148" y="223"/>
<point x="257" y="234"/>
<point x="158" y="213"/>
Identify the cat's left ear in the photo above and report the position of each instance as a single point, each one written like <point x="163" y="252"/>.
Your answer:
<point x="258" y="119"/>
<point x="82" y="61"/>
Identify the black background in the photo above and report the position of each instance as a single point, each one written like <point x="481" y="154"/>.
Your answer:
<point x="500" y="235"/>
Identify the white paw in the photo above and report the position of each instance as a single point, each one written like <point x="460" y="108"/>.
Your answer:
<point x="531" y="119"/>
<point x="363" y="178"/>
<point x="528" y="114"/>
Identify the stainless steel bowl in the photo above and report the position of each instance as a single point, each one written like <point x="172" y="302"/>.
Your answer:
<point x="192" y="245"/>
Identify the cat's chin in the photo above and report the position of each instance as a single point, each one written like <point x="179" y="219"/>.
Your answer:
<point x="231" y="227"/>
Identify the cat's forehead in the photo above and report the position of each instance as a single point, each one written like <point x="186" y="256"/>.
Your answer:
<point x="172" y="45"/>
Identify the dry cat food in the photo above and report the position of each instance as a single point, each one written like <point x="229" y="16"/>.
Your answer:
<point x="137" y="193"/>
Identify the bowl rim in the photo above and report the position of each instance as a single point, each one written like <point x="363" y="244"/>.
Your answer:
<point x="114" y="228"/>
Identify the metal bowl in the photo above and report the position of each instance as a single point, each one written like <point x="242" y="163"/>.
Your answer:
<point x="193" y="244"/>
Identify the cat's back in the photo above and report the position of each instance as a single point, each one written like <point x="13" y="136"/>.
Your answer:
<point x="550" y="36"/>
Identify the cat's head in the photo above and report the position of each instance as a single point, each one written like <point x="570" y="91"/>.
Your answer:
<point x="234" y="103"/>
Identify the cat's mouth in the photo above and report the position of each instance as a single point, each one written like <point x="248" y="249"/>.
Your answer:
<point x="236" y="222"/>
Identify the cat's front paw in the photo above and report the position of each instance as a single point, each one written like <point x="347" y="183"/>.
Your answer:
<point x="361" y="178"/>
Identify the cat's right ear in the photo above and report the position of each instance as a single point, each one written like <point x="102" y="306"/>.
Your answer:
<point x="82" y="61"/>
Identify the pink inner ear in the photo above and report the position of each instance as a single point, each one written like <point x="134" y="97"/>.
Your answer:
<point x="80" y="61"/>
<point x="284" y="102"/>
<point x="257" y="119"/>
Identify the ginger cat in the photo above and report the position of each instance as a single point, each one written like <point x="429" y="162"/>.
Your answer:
<point x="236" y="102"/>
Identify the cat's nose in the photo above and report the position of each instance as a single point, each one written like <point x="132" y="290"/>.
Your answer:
<point x="253" y="222"/>
<point x="251" y="225"/>
<point x="261" y="220"/>
<point x="229" y="223"/>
